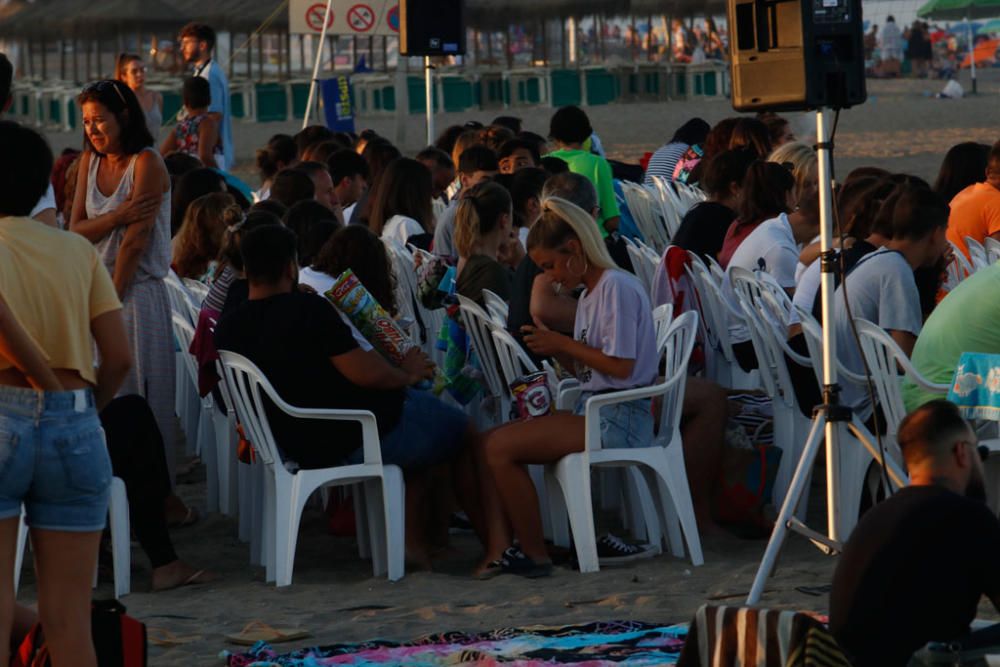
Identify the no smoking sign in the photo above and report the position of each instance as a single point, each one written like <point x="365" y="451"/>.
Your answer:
<point x="361" y="18"/>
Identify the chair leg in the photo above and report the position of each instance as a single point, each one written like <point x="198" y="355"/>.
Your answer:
<point x="226" y="455"/>
<point x="558" y="516"/>
<point x="288" y="505"/>
<point x="645" y="514"/>
<point x="120" y="538"/>
<point x="209" y="455"/>
<point x="244" y="481"/>
<point x="361" y="526"/>
<point x="22" y="540"/>
<point x="538" y="477"/>
<point x="374" y="518"/>
<point x="573" y="472"/>
<point x="673" y="480"/>
<point x="394" y="492"/>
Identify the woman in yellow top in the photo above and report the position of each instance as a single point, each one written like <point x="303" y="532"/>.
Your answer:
<point x="53" y="460"/>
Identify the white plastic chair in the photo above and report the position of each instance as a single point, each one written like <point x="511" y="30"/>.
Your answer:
<point x="663" y="316"/>
<point x="205" y="428"/>
<point x="408" y="300"/>
<point x="992" y="249"/>
<point x="855" y="459"/>
<point x="662" y="463"/>
<point x="479" y="327"/>
<point x="498" y="309"/>
<point x="287" y="492"/>
<point x="121" y="554"/>
<point x="197" y="290"/>
<point x="977" y="254"/>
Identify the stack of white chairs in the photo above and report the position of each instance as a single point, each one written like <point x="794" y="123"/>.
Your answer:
<point x="408" y="299"/>
<point x="479" y="326"/>
<point x="992" y="249"/>
<point x="645" y="261"/>
<point x="497" y="308"/>
<point x="378" y="487"/>
<point x="647" y="212"/>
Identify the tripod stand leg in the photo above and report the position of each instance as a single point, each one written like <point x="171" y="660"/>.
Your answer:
<point x="796" y="490"/>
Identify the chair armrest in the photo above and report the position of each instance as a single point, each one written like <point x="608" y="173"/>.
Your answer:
<point x="370" y="442"/>
<point x="592" y="410"/>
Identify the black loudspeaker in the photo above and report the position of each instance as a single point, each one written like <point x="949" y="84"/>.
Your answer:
<point x="431" y="27"/>
<point x="796" y="54"/>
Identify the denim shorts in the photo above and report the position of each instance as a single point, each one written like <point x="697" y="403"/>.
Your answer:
<point x="429" y="432"/>
<point x="53" y="460"/>
<point x="623" y="425"/>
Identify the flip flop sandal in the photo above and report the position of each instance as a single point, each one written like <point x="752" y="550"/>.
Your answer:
<point x="165" y="639"/>
<point x="189" y="519"/>
<point x="258" y="631"/>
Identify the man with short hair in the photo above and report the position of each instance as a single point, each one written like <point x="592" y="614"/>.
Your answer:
<point x="442" y="176"/>
<point x="975" y="211"/>
<point x="881" y="288"/>
<point x="518" y="154"/>
<point x="323" y="191"/>
<point x="916" y="565"/>
<point x="349" y="173"/>
<point x="477" y="164"/>
<point x="45" y="209"/>
<point x="197" y="42"/>
<point x="309" y="355"/>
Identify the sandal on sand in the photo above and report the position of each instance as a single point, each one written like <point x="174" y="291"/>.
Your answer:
<point x="258" y="631"/>
<point x="493" y="569"/>
<point x="165" y="639"/>
<point x="199" y="577"/>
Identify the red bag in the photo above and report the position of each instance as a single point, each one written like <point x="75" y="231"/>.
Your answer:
<point x="119" y="640"/>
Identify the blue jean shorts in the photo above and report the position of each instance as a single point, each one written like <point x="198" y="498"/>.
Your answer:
<point x="623" y="425"/>
<point x="53" y="460"/>
<point x="429" y="432"/>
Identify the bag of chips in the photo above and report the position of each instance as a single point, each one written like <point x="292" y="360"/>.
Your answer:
<point x="532" y="396"/>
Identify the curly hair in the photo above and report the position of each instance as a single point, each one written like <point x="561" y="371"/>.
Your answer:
<point x="199" y="240"/>
<point x="355" y="247"/>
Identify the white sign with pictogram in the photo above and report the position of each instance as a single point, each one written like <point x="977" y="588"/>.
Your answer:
<point x="347" y="17"/>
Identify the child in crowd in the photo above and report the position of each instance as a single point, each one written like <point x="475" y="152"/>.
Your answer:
<point x="198" y="133"/>
<point x="196" y="246"/>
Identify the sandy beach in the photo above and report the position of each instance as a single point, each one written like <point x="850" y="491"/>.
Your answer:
<point x="335" y="598"/>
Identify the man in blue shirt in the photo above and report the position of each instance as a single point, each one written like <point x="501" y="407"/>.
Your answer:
<point x="197" y="43"/>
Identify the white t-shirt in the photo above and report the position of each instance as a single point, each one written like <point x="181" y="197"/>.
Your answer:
<point x="616" y="318"/>
<point x="880" y="289"/>
<point x="400" y="228"/>
<point x="47" y="201"/>
<point x="444" y="232"/>
<point x="321" y="282"/>
<point x="806" y="290"/>
<point x="770" y="248"/>
<point x="349" y="211"/>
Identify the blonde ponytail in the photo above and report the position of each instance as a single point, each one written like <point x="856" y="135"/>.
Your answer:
<point x="562" y="221"/>
<point x="478" y="215"/>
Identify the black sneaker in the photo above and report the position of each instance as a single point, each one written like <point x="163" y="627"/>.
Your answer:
<point x="514" y="561"/>
<point x="612" y="550"/>
<point x="458" y="523"/>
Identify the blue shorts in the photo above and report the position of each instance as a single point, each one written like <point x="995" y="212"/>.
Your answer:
<point x="623" y="425"/>
<point x="429" y="432"/>
<point x="53" y="460"/>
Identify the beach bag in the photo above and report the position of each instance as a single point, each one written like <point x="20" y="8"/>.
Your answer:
<point x="119" y="640"/>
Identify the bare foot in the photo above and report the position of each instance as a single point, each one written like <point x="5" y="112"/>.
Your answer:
<point x="179" y="573"/>
<point x="179" y="514"/>
<point x="487" y="568"/>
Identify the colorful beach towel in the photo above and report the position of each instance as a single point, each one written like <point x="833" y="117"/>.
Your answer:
<point x="601" y="644"/>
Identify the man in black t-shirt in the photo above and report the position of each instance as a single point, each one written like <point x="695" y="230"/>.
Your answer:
<point x="312" y="358"/>
<point x="916" y="565"/>
<point x="704" y="227"/>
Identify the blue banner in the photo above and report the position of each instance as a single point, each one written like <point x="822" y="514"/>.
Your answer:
<point x="338" y="103"/>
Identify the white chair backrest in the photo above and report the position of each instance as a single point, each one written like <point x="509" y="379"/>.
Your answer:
<point x="514" y="361"/>
<point x="479" y="327"/>
<point x="884" y="358"/>
<point x="663" y="315"/>
<point x="184" y="333"/>
<point x="992" y="249"/>
<point x="977" y="254"/>
<point x="197" y="290"/>
<point x="678" y="342"/>
<point x="498" y="309"/>
<point x="179" y="297"/>
<point x="813" y="333"/>
<point x="248" y="387"/>
<point x="712" y="320"/>
<point x="963" y="262"/>
<point x="644" y="207"/>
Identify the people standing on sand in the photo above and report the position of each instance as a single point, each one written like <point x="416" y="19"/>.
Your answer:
<point x="197" y="45"/>
<point x="131" y="70"/>
<point x="197" y="134"/>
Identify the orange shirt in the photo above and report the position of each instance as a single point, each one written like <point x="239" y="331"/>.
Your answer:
<point x="975" y="212"/>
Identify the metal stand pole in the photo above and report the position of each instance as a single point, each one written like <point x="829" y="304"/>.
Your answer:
<point x="319" y="58"/>
<point x="429" y="98"/>
<point x="831" y="412"/>
<point x="972" y="54"/>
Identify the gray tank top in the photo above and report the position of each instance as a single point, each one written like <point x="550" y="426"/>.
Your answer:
<point x="155" y="262"/>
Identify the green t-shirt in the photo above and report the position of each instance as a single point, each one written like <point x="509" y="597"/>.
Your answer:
<point x="967" y="320"/>
<point x="598" y="171"/>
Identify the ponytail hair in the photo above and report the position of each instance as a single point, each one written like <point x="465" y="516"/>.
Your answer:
<point x="478" y="215"/>
<point x="564" y="221"/>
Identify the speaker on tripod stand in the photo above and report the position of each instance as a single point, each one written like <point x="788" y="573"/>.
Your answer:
<point x="792" y="55"/>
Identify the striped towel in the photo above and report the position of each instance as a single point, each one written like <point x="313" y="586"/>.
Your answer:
<point x="729" y="636"/>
